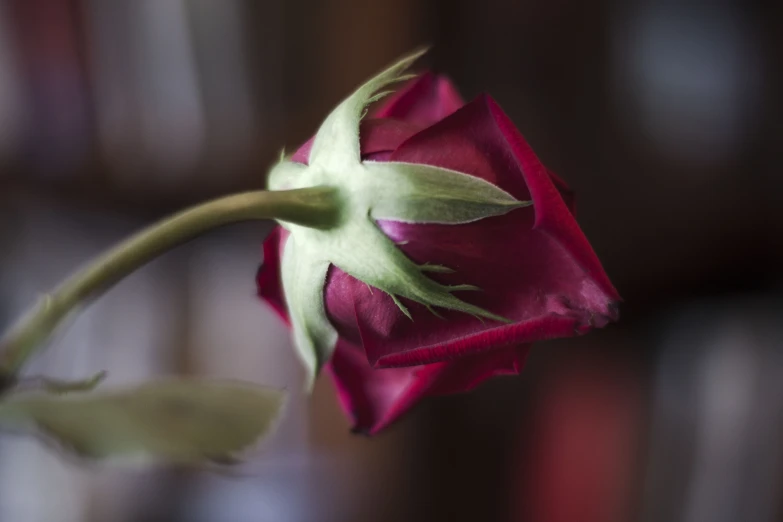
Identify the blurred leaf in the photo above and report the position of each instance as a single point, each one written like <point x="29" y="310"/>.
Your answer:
<point x="179" y="421"/>
<point x="58" y="386"/>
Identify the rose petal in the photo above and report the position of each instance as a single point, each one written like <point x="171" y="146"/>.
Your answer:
<point x="268" y="280"/>
<point x="534" y="265"/>
<point x="565" y="191"/>
<point x="424" y="101"/>
<point x="377" y="137"/>
<point x="375" y="398"/>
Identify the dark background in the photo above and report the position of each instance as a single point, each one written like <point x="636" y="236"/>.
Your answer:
<point x="665" y="117"/>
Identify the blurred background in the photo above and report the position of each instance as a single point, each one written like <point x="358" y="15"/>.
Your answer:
<point x="665" y="117"/>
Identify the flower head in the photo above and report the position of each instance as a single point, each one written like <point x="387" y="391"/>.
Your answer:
<point x="456" y="248"/>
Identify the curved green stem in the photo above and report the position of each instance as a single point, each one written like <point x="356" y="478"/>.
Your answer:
<point x="315" y="207"/>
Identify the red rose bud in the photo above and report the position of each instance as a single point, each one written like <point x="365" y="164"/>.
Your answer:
<point x="456" y="249"/>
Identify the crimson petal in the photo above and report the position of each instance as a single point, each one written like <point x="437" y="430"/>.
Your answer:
<point x="534" y="265"/>
<point x="378" y="138"/>
<point x="425" y="100"/>
<point x="268" y="281"/>
<point x="376" y="398"/>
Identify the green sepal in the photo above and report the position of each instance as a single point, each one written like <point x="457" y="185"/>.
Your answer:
<point x="304" y="276"/>
<point x="283" y="174"/>
<point x="415" y="193"/>
<point x="337" y="140"/>
<point x="182" y="421"/>
<point x="370" y="256"/>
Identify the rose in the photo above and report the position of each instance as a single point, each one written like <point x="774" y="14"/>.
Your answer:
<point x="533" y="265"/>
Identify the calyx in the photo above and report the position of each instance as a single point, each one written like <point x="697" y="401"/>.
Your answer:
<point x="368" y="191"/>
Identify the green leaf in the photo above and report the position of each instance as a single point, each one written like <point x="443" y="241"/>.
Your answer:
<point x="337" y="140"/>
<point x="178" y="421"/>
<point x="304" y="276"/>
<point x="415" y="193"/>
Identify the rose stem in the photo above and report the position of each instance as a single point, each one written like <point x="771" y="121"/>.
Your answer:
<point x="313" y="207"/>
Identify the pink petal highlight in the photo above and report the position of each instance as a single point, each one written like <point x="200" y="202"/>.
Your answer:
<point x="425" y="100"/>
<point x="376" y="398"/>
<point x="376" y="137"/>
<point x="268" y="281"/>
